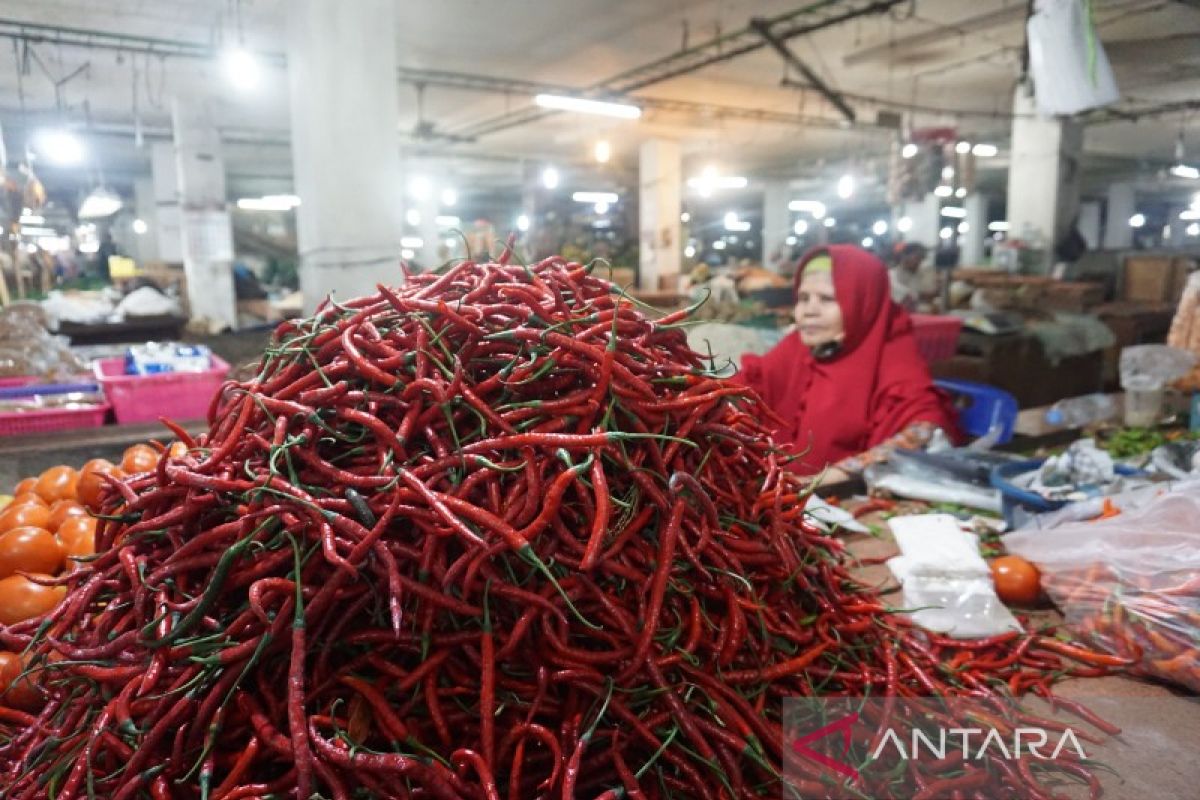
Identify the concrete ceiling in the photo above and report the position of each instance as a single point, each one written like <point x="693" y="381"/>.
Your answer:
<point x="936" y="61"/>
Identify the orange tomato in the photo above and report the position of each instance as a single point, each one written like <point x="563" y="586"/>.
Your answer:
<point x="60" y="511"/>
<point x="91" y="484"/>
<point x="29" y="549"/>
<point x="139" y="458"/>
<point x="25" y="486"/>
<point x="78" y="538"/>
<point x="28" y="498"/>
<point x="57" y="483"/>
<point x="22" y="599"/>
<point x="18" y="516"/>
<point x="1017" y="581"/>
<point x="17" y="691"/>
<point x="177" y="450"/>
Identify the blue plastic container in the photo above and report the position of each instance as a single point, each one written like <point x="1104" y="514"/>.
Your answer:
<point x="981" y="406"/>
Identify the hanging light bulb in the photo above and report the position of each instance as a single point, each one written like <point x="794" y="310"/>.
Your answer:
<point x="845" y="186"/>
<point x="241" y="68"/>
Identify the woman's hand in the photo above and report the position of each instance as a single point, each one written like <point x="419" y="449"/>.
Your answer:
<point x="829" y="477"/>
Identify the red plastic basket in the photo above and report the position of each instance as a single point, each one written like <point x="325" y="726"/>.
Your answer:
<point x="17" y="380"/>
<point x="936" y="335"/>
<point x="48" y="420"/>
<point x="145" y="398"/>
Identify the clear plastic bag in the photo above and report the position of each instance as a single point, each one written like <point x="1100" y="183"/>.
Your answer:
<point x="27" y="348"/>
<point x="1151" y="366"/>
<point x="1130" y="583"/>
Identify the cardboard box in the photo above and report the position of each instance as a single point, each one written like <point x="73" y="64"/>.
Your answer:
<point x="1155" y="279"/>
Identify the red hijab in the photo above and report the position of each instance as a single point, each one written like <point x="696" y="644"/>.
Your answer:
<point x="876" y="386"/>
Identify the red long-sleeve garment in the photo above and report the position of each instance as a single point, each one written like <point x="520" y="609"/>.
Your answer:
<point x="874" y="388"/>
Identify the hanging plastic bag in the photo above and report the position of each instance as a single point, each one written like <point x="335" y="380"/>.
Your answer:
<point x="1070" y="71"/>
<point x="1129" y="583"/>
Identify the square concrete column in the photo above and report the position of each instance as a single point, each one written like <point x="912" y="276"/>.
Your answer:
<point x="145" y="245"/>
<point x="660" y="179"/>
<point x="972" y="240"/>
<point x="205" y="226"/>
<point x="1089" y="223"/>
<point x="1120" y="206"/>
<point x="1043" y="175"/>
<point x="345" y="145"/>
<point x="776" y="225"/>
<point x="925" y="218"/>
<point x="164" y="180"/>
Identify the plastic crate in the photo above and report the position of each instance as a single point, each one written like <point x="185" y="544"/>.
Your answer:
<point x="17" y="380"/>
<point x="48" y="420"/>
<point x="145" y="398"/>
<point x="936" y="335"/>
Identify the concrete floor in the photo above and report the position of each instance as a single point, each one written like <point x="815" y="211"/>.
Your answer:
<point x="1157" y="754"/>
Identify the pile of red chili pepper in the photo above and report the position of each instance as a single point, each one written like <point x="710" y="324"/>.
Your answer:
<point x="495" y="533"/>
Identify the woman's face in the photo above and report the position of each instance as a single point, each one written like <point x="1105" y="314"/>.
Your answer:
<point x="818" y="315"/>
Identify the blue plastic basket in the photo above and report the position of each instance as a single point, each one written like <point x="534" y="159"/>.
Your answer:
<point x="1013" y="497"/>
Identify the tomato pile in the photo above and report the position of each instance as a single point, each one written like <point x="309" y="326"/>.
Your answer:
<point x="47" y="530"/>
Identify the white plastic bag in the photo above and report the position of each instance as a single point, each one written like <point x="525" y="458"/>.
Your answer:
<point x="1070" y="71"/>
<point x="1130" y="583"/>
<point x="945" y="580"/>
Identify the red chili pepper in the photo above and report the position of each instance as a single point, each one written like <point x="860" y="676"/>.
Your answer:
<point x="1081" y="654"/>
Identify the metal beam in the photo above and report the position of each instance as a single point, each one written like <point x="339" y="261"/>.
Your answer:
<point x="447" y="79"/>
<point x="37" y="33"/>
<point x="802" y="21"/>
<point x="764" y="30"/>
<point x="963" y="27"/>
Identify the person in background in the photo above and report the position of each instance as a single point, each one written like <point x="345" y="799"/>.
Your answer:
<point x="107" y="248"/>
<point x="848" y="384"/>
<point x="912" y="286"/>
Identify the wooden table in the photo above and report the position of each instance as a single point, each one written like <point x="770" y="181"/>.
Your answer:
<point x="132" y="330"/>
<point x="24" y="456"/>
<point x="1153" y="757"/>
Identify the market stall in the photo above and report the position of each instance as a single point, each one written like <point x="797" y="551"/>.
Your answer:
<point x="539" y="474"/>
<point x="644" y="401"/>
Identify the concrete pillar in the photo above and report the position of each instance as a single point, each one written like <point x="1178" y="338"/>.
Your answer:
<point x="428" y="207"/>
<point x="976" y="219"/>
<point x="206" y="227"/>
<point x="345" y="145"/>
<point x="145" y="209"/>
<point x="1089" y="223"/>
<point x="1175" y="230"/>
<point x="776" y="225"/>
<point x="660" y="180"/>
<point x="165" y="187"/>
<point x="1120" y="206"/>
<point x="925" y="215"/>
<point x="1043" y="175"/>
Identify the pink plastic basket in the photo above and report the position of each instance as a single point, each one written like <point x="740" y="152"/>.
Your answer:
<point x="936" y="335"/>
<point x="48" y="420"/>
<point x="145" y="398"/>
<point x="17" y="380"/>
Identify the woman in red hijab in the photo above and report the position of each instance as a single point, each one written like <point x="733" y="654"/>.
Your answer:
<point x="848" y="383"/>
